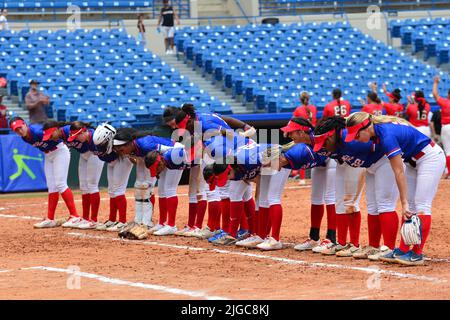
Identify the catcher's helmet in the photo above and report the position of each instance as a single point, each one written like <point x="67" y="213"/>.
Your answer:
<point x="103" y="137"/>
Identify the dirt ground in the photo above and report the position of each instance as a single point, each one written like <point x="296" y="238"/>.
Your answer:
<point x="73" y="264"/>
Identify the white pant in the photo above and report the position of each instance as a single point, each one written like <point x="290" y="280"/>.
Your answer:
<point x="89" y="172"/>
<point x="323" y="184"/>
<point x="425" y="130"/>
<point x="118" y="174"/>
<point x="423" y="180"/>
<point x="143" y="174"/>
<point x="349" y="182"/>
<point x="168" y="32"/>
<point x="197" y="184"/>
<point x="381" y="188"/>
<point x="240" y="191"/>
<point x="56" y="168"/>
<point x="271" y="188"/>
<point x="168" y="183"/>
<point x="445" y="138"/>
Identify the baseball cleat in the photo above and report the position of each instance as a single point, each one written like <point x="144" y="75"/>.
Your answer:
<point x="73" y="222"/>
<point x="270" y="244"/>
<point x="192" y="232"/>
<point x="88" y="225"/>
<point x="117" y="227"/>
<point x="165" y="231"/>
<point x="381" y="252"/>
<point x="250" y="242"/>
<point x="324" y="244"/>
<point x="204" y="233"/>
<point x="334" y="249"/>
<point x="392" y="256"/>
<point x="183" y="231"/>
<point x="242" y="234"/>
<point x="105" y="225"/>
<point x="216" y="234"/>
<point x="347" y="251"/>
<point x="307" y="245"/>
<point x="47" y="223"/>
<point x="410" y="259"/>
<point x="365" y="252"/>
<point x="155" y="228"/>
<point x="224" y="240"/>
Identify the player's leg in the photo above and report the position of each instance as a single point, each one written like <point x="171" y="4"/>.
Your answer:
<point x="83" y="181"/>
<point x="110" y="170"/>
<point x="445" y="137"/>
<point x="143" y="190"/>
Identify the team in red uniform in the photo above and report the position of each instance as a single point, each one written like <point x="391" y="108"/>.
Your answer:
<point x="417" y="112"/>
<point x="445" y="120"/>
<point x="373" y="106"/>
<point x="337" y="107"/>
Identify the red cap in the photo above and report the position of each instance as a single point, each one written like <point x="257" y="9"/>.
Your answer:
<point x="320" y="139"/>
<point x="75" y="133"/>
<point x="353" y="130"/>
<point x="48" y="133"/>
<point x="16" y="124"/>
<point x="293" y="126"/>
<point x="154" y="167"/>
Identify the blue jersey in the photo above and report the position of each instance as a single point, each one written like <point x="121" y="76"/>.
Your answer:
<point x="176" y="159"/>
<point x="301" y="156"/>
<point x="211" y="121"/>
<point x="219" y="147"/>
<point x="150" y="143"/>
<point x="108" y="157"/>
<point x="395" y="138"/>
<point x="35" y="135"/>
<point x="248" y="161"/>
<point x="81" y="147"/>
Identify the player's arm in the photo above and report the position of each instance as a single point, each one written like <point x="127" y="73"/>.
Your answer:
<point x="400" y="178"/>
<point x="282" y="161"/>
<point x="435" y="88"/>
<point x="177" y="19"/>
<point x="238" y="124"/>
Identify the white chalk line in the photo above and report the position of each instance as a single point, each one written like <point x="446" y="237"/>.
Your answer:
<point x="278" y="259"/>
<point x="12" y="216"/>
<point x="120" y="282"/>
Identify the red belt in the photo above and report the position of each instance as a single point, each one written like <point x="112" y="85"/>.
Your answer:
<point x="421" y="153"/>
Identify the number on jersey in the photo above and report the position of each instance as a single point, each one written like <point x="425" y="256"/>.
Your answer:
<point x="340" y="111"/>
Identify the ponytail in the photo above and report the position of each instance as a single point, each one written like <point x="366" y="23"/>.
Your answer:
<point x="358" y="117"/>
<point x="186" y="110"/>
<point x="336" y="123"/>
<point x="54" y="124"/>
<point x="77" y="125"/>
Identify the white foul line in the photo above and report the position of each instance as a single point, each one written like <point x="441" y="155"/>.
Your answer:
<point x="194" y="294"/>
<point x="12" y="216"/>
<point x="266" y="257"/>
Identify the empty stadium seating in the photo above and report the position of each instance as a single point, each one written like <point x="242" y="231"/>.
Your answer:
<point x="432" y="36"/>
<point x="270" y="65"/>
<point x="97" y="75"/>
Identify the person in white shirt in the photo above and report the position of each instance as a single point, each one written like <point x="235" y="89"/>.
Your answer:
<point x="3" y="21"/>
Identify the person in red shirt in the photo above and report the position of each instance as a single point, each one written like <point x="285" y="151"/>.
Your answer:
<point x="306" y="111"/>
<point x="417" y="112"/>
<point x="3" y="121"/>
<point x="373" y="105"/>
<point x="393" y="107"/>
<point x="338" y="106"/>
<point x="445" y="120"/>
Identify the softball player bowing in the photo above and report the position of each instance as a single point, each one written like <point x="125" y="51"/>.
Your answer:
<point x="56" y="167"/>
<point x="323" y="176"/>
<point x="118" y="173"/>
<point x="425" y="162"/>
<point x="445" y="119"/>
<point x="418" y="111"/>
<point x="381" y="191"/>
<point x="128" y="141"/>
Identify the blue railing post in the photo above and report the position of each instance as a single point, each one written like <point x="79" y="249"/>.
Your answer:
<point x="238" y="3"/>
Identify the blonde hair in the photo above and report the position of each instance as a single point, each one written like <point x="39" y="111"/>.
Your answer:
<point x="358" y="117"/>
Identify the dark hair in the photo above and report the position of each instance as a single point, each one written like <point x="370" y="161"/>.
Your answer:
<point x="15" y="119"/>
<point x="396" y="93"/>
<point x="187" y="109"/>
<point x="170" y="113"/>
<point x="53" y="123"/>
<point x="303" y="122"/>
<point x="332" y="123"/>
<point x="373" y="96"/>
<point x="419" y="94"/>
<point x="77" y="125"/>
<point x="337" y="94"/>
<point x="150" y="158"/>
<point x="130" y="134"/>
<point x="208" y="171"/>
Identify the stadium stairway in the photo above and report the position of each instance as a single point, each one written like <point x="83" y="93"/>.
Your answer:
<point x="12" y="103"/>
<point x="205" y="84"/>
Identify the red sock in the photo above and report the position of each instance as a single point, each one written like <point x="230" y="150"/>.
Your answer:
<point x="354" y="227"/>
<point x="256" y="223"/>
<point x="263" y="222"/>
<point x="152" y="200"/>
<point x="52" y="203"/>
<point x="302" y="173"/>
<point x="213" y="212"/>
<point x="86" y="204"/>
<point x="172" y="204"/>
<point x="373" y="224"/>
<point x="162" y="210"/>
<point x="249" y="208"/>
<point x="331" y="217"/>
<point x="225" y="209"/>
<point x="389" y="228"/>
<point x="121" y="203"/>
<point x="192" y="214"/>
<point x="95" y="205"/>
<point x="403" y="247"/>
<point x="426" y="226"/>
<point x="70" y="202"/>
<point x="448" y="164"/>
<point x="244" y="221"/>
<point x="316" y="215"/>
<point x="342" y="221"/>
<point x="112" y="209"/>
<point x="276" y="216"/>
<point x="201" y="210"/>
<point x="236" y="212"/>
